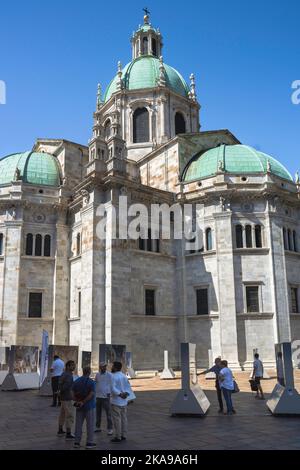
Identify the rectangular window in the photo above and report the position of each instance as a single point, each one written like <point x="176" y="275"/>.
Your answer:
<point x="202" y="301"/>
<point x="35" y="304"/>
<point x="150" y="302"/>
<point x="79" y="303"/>
<point x="252" y="297"/>
<point x="294" y="297"/>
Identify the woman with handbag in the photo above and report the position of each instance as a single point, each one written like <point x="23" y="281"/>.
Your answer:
<point x="228" y="386"/>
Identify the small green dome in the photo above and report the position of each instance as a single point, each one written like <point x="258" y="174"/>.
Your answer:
<point x="35" y="167"/>
<point x="143" y="72"/>
<point x="234" y="159"/>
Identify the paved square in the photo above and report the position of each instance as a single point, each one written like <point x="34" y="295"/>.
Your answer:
<point x="28" y="421"/>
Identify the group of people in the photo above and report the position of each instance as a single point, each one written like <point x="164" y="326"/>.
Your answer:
<point x="226" y="385"/>
<point x="109" y="391"/>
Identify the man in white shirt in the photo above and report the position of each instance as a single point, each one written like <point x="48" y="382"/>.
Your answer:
<point x="257" y="375"/>
<point x="103" y="381"/>
<point x="227" y="386"/>
<point x="56" y="370"/>
<point x="120" y="391"/>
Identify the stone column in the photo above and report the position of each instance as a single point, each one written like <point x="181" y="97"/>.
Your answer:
<point x="282" y="331"/>
<point x="61" y="285"/>
<point x="10" y="303"/>
<point x="226" y="288"/>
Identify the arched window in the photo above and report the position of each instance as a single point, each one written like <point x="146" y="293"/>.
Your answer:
<point x="78" y="244"/>
<point x="1" y="244"/>
<point x="107" y="129"/>
<point x="290" y="247"/>
<point x="295" y="240"/>
<point x="47" y="245"/>
<point x="145" y="46"/>
<point x="208" y="239"/>
<point x="284" y="234"/>
<point x="29" y="244"/>
<point x="179" y="124"/>
<point x="141" y="125"/>
<point x="258" y="237"/>
<point x="38" y="245"/>
<point x="248" y="236"/>
<point x="239" y="236"/>
<point x="154" y="48"/>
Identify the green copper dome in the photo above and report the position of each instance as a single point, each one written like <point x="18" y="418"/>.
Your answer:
<point x="143" y="72"/>
<point x="34" y="167"/>
<point x="234" y="159"/>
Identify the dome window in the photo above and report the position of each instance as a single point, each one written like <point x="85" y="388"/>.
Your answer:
<point x="239" y="236"/>
<point x="179" y="124"/>
<point x="140" y="125"/>
<point x="145" y="46"/>
<point x="208" y="237"/>
<point x="107" y="129"/>
<point x="258" y="237"/>
<point x="248" y="236"/>
<point x="29" y="244"/>
<point x="47" y="245"/>
<point x="154" y="47"/>
<point x="38" y="245"/>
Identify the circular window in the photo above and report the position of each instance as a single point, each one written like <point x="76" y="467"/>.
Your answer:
<point x="244" y="178"/>
<point x="41" y="191"/>
<point x="199" y="184"/>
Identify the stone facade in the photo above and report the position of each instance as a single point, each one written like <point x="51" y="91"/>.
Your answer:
<point x="93" y="290"/>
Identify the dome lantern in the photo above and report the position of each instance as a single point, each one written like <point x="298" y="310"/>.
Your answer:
<point x="146" y="40"/>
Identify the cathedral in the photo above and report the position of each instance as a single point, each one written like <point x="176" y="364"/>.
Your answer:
<point x="238" y="292"/>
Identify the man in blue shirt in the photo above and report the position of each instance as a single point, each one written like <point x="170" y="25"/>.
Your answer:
<point x="216" y="369"/>
<point x="84" y="395"/>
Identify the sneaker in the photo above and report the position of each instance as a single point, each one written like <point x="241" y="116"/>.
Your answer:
<point x="98" y="430"/>
<point x="123" y="438"/>
<point x="70" y="436"/>
<point x="76" y="445"/>
<point x="110" y="432"/>
<point x="115" y="439"/>
<point x="61" y="432"/>
<point x="90" y="445"/>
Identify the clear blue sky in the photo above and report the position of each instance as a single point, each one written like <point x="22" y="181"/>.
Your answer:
<point x="245" y="55"/>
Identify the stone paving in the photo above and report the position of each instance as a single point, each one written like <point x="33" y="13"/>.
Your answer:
<point x="28" y="422"/>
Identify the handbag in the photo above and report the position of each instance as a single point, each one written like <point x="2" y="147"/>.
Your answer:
<point x="235" y="387"/>
<point x="253" y="385"/>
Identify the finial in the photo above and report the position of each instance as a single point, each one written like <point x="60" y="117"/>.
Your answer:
<point x="297" y="177"/>
<point x="162" y="76"/>
<point x="119" y="81"/>
<point x="192" y="94"/>
<point x="269" y="168"/>
<point x="146" y="16"/>
<point x="99" y="97"/>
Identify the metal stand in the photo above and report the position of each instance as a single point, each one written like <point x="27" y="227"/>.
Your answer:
<point x="167" y="373"/>
<point x="190" y="400"/>
<point x="285" y="400"/>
